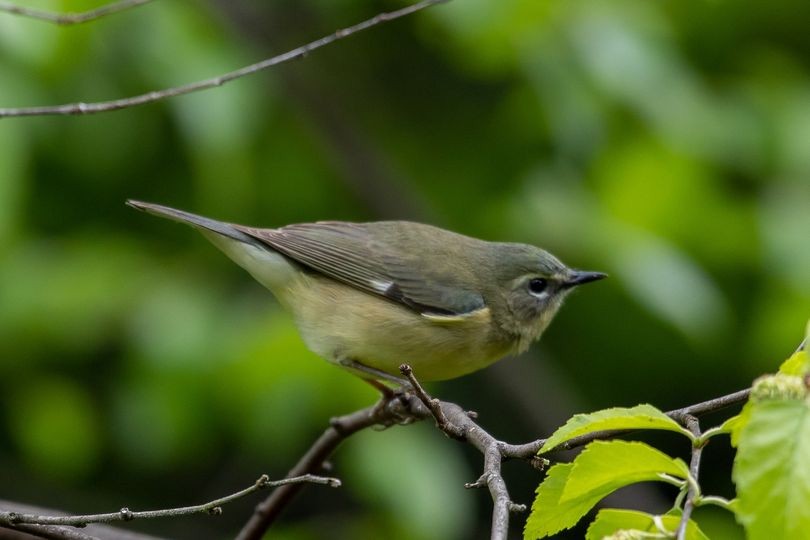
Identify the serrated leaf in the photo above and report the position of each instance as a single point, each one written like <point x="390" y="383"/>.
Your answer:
<point x="611" y="521"/>
<point x="603" y="467"/>
<point x="643" y="416"/>
<point x="772" y="470"/>
<point x="610" y="465"/>
<point x="548" y="515"/>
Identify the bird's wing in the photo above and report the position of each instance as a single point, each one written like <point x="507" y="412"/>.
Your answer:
<point x="350" y="253"/>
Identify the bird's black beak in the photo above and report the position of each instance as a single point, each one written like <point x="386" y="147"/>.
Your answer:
<point x="578" y="277"/>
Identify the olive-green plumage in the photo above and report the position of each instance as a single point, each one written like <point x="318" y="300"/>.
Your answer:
<point x="385" y="293"/>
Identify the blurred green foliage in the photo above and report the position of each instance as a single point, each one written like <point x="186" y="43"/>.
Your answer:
<point x="665" y="143"/>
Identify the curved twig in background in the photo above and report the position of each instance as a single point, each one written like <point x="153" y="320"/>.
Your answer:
<point x="157" y="95"/>
<point x="69" y="19"/>
<point x="29" y="521"/>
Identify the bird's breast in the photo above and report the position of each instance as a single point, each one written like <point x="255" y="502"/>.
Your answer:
<point x="340" y="322"/>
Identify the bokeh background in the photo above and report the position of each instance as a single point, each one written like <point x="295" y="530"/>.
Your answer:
<point x="666" y="143"/>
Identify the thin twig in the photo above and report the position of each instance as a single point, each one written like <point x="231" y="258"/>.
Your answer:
<point x="711" y="405"/>
<point x="156" y="95"/>
<point x="529" y="450"/>
<point x="386" y="413"/>
<point x="125" y="514"/>
<point x="433" y="404"/>
<point x="402" y="409"/>
<point x="693" y="425"/>
<point x="51" y="532"/>
<point x="457" y="423"/>
<point x="68" y="19"/>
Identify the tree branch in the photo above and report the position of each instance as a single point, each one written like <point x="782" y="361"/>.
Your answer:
<point x="68" y="19"/>
<point x="530" y="449"/>
<point x="397" y="410"/>
<point x="455" y="422"/>
<point x="401" y="408"/>
<point x="26" y="531"/>
<point x="692" y="424"/>
<point x="14" y="519"/>
<point x="156" y="95"/>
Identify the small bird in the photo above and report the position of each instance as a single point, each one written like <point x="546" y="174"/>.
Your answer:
<point x="372" y="296"/>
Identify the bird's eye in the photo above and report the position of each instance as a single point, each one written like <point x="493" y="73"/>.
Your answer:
<point x="537" y="285"/>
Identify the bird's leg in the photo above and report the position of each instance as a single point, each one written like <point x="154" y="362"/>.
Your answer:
<point x="389" y="394"/>
<point x="375" y="375"/>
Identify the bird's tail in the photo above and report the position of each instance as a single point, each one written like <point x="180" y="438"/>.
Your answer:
<point x="219" y="227"/>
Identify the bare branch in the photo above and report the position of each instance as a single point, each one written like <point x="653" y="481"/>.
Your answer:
<point x="398" y="409"/>
<point x="51" y="532"/>
<point x="693" y="425"/>
<point x="156" y="95"/>
<point x="530" y="449"/>
<point x="125" y="514"/>
<point x="454" y="421"/>
<point x="68" y="19"/>
<point x="434" y="405"/>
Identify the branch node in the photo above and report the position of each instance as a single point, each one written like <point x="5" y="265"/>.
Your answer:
<point x="262" y="481"/>
<point x="434" y="406"/>
<point x="215" y="511"/>
<point x="482" y="481"/>
<point x="516" y="508"/>
<point x="14" y="518"/>
<point x="472" y="415"/>
<point x="126" y="514"/>
<point x="539" y="463"/>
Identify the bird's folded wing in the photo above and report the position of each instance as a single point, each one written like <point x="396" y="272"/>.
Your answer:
<point x="348" y="252"/>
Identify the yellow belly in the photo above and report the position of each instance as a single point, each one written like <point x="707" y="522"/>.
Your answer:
<point x="339" y="322"/>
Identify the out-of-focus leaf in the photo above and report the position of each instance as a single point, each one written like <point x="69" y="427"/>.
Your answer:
<point x="671" y="285"/>
<point x="13" y="157"/>
<point x="159" y="423"/>
<point x="72" y="292"/>
<point x="56" y="428"/>
<point x="784" y="225"/>
<point x="382" y="466"/>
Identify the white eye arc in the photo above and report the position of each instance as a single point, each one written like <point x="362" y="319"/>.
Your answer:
<point x="538" y="287"/>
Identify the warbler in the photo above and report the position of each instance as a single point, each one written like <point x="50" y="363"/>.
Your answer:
<point x="372" y="296"/>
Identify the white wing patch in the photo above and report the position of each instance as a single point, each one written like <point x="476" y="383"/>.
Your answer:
<point x="480" y="316"/>
<point x="381" y="286"/>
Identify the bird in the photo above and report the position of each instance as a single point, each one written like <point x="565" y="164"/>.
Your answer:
<point x="372" y="296"/>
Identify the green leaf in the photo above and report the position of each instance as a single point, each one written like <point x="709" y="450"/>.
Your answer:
<point x="779" y="387"/>
<point x="734" y="425"/>
<point x="639" y="417"/>
<point x="610" y="465"/>
<point x="548" y="514"/>
<point x="571" y="489"/>
<point x="734" y="505"/>
<point x="610" y="521"/>
<point x="772" y="470"/>
<point x="796" y="364"/>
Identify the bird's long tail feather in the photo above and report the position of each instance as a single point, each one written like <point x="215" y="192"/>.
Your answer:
<point x="219" y="227"/>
